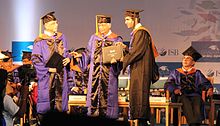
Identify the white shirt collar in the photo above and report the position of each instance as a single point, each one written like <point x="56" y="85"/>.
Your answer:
<point x="48" y="33"/>
<point x="137" y="25"/>
<point x="187" y="70"/>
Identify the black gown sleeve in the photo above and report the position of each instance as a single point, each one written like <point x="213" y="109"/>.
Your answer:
<point x="139" y="46"/>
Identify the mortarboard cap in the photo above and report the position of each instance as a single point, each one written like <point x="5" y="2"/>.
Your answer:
<point x="7" y="53"/>
<point x="133" y="13"/>
<point x="48" y="17"/>
<point x="2" y="56"/>
<point x="193" y="53"/>
<point x="26" y="55"/>
<point x="103" y="19"/>
<point x="80" y="50"/>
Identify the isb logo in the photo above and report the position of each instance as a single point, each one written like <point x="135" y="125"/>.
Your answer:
<point x="168" y="52"/>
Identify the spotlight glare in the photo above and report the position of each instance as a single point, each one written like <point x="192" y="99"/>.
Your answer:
<point x="24" y="19"/>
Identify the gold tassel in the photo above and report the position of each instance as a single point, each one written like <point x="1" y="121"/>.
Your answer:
<point x="40" y="27"/>
<point x="96" y="25"/>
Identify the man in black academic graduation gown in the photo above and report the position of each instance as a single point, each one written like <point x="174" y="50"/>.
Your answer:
<point x="140" y="58"/>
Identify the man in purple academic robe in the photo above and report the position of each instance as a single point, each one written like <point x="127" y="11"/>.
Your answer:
<point x="186" y="85"/>
<point x="52" y="81"/>
<point x="102" y="96"/>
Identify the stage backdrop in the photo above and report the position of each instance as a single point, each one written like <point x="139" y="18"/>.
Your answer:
<point x="174" y="24"/>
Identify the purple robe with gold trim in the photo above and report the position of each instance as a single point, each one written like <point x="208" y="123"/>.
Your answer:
<point x="191" y="83"/>
<point x="102" y="96"/>
<point x="42" y="50"/>
<point x="194" y="86"/>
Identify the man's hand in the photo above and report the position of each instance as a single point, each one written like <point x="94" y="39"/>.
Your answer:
<point x="75" y="89"/>
<point x="52" y="70"/>
<point x="66" y="61"/>
<point x="210" y="92"/>
<point x="177" y="92"/>
<point x="120" y="44"/>
<point x="75" y="54"/>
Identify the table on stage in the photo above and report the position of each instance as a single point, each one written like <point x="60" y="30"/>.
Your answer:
<point x="167" y="105"/>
